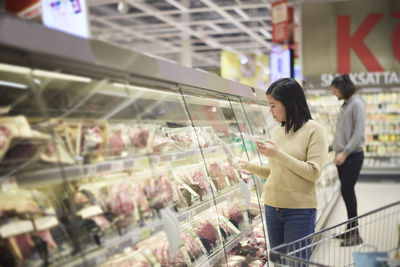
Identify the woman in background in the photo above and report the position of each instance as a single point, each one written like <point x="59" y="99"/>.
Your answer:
<point x="348" y="146"/>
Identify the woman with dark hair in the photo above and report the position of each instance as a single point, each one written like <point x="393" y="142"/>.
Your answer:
<point x="348" y="146"/>
<point x="296" y="155"/>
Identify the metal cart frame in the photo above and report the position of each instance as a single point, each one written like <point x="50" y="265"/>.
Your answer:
<point x="379" y="230"/>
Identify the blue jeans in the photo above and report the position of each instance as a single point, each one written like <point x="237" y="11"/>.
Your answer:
<point x="287" y="225"/>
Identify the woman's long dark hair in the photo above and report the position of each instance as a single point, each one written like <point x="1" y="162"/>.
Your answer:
<point x="291" y="95"/>
<point x="345" y="86"/>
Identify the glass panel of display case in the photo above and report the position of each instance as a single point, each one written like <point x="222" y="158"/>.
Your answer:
<point x="238" y="210"/>
<point x="32" y="230"/>
<point x="261" y="120"/>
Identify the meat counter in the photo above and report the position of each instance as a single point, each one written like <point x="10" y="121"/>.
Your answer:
<point x="107" y="165"/>
<point x="109" y="157"/>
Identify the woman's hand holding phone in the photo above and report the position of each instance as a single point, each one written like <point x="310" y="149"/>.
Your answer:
<point x="268" y="148"/>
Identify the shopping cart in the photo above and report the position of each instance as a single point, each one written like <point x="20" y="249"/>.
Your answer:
<point x="379" y="230"/>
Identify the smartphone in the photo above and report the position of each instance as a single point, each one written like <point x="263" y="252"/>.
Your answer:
<point x="256" y="138"/>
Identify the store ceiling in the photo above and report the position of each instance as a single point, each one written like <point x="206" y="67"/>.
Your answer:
<point x="170" y="28"/>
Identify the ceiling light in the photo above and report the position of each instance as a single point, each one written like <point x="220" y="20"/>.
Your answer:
<point x="123" y="7"/>
<point x="61" y="76"/>
<point x="12" y="84"/>
<point x="244" y="60"/>
<point x="241" y="13"/>
<point x="212" y="43"/>
<point x="177" y="5"/>
<point x="265" y="33"/>
<point x="215" y="27"/>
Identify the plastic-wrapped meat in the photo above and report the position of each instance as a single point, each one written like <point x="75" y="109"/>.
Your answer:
<point x="91" y="139"/>
<point x="230" y="172"/>
<point x="166" y="188"/>
<point x="117" y="144"/>
<point x="139" y="138"/>
<point x="191" y="245"/>
<point x="256" y="263"/>
<point x="48" y="238"/>
<point x="254" y="209"/>
<point x="207" y="231"/>
<point x="50" y="149"/>
<point x="225" y="229"/>
<point x="121" y="200"/>
<point x="101" y="221"/>
<point x="235" y="214"/>
<point x="235" y="261"/>
<point x="200" y="179"/>
<point x="141" y="199"/>
<point x="5" y="134"/>
<point x="80" y="198"/>
<point x="182" y="200"/>
<point x="160" y="192"/>
<point x="260" y="252"/>
<point x="162" y="255"/>
<point x="24" y="243"/>
<point x="186" y="178"/>
<point x="139" y="263"/>
<point x="217" y="175"/>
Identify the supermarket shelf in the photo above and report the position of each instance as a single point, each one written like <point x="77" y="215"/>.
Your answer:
<point x="76" y="172"/>
<point x="380" y="171"/>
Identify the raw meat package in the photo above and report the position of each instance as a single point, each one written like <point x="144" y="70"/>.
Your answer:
<point x="217" y="175"/>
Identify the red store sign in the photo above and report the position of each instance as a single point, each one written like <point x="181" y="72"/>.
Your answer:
<point x="347" y="42"/>
<point x="280" y="21"/>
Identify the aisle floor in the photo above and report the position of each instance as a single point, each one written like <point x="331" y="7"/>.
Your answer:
<point x="371" y="195"/>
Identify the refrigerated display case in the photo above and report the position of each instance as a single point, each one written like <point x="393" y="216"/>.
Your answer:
<point x="109" y="157"/>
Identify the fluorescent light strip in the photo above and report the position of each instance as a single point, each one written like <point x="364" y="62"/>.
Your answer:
<point x="61" y="76"/>
<point x="139" y="88"/>
<point x="241" y="13"/>
<point x="15" y="85"/>
<point x="215" y="27"/>
<point x="177" y="5"/>
<point x="265" y="33"/>
<point x="14" y="69"/>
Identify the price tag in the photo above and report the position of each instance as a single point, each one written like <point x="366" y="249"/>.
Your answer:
<point x="90" y="170"/>
<point x="155" y="160"/>
<point x="129" y="164"/>
<point x="181" y="155"/>
<point x="145" y="233"/>
<point x="8" y="184"/>
<point x="166" y="158"/>
<point x="117" y="165"/>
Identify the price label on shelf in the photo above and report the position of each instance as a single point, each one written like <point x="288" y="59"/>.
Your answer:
<point x="9" y="183"/>
<point x="117" y="165"/>
<point x="155" y="160"/>
<point x="144" y="233"/>
<point x="90" y="170"/>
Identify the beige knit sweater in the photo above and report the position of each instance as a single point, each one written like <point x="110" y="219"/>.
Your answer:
<point x="293" y="171"/>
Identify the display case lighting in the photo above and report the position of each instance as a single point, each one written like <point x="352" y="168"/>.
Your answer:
<point x="241" y="13"/>
<point x="140" y="88"/>
<point x="177" y="5"/>
<point x="14" y="69"/>
<point x="12" y="84"/>
<point x="60" y="76"/>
